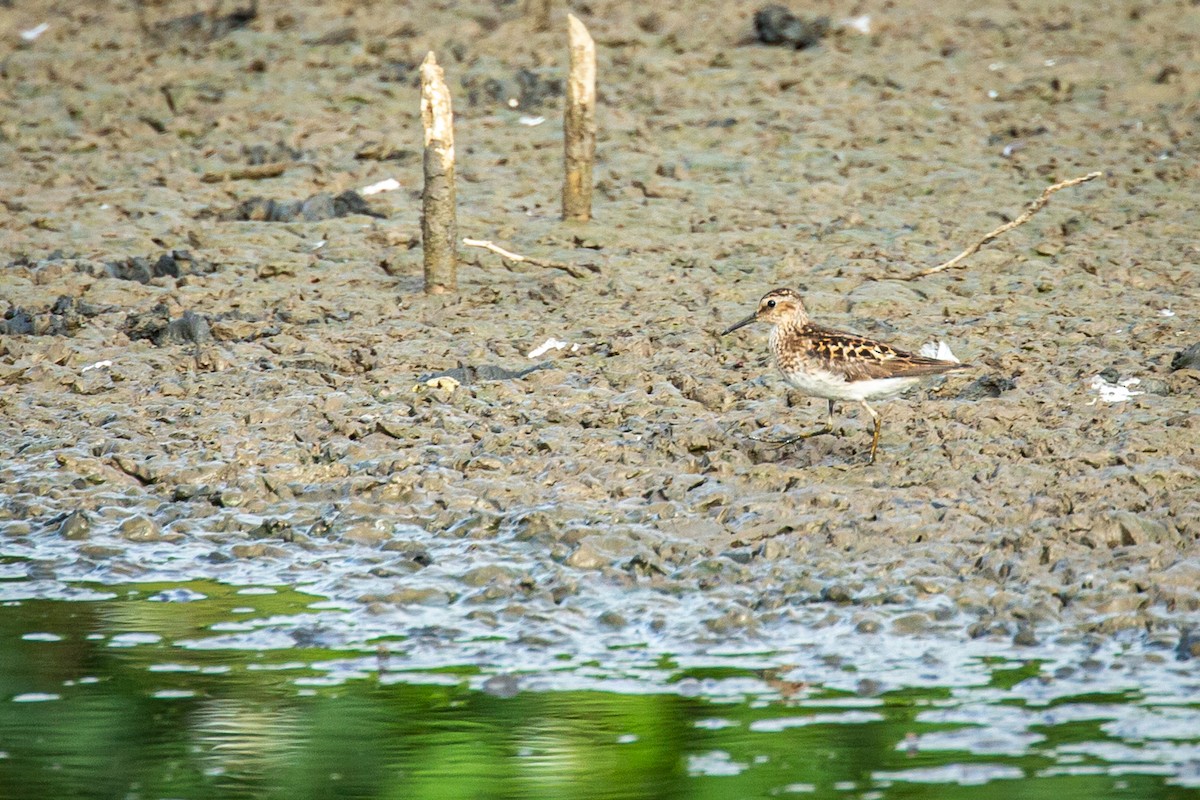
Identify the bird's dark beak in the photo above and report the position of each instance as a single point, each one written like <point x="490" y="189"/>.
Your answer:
<point x="737" y="325"/>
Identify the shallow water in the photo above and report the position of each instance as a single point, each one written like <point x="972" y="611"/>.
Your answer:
<point x="208" y="690"/>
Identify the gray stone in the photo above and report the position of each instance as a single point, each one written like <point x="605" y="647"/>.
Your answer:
<point x="585" y="557"/>
<point x="140" y="529"/>
<point x="365" y="533"/>
<point x="258" y="551"/>
<point x="77" y="525"/>
<point x="1025" y="637"/>
<point x="230" y="498"/>
<point x="419" y="596"/>
<point x="613" y="619"/>
<point x="487" y="576"/>
<point x="1136" y="530"/>
<point x="837" y="593"/>
<point x="189" y="328"/>
<point x="1155" y="386"/>
<point x="908" y="624"/>
<point x="732" y="621"/>
<point x="318" y="207"/>
<point x="1188" y="358"/>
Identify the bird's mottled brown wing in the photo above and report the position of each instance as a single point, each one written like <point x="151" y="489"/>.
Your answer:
<point x="863" y="359"/>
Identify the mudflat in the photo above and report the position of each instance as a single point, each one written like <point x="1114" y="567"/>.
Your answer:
<point x="217" y="359"/>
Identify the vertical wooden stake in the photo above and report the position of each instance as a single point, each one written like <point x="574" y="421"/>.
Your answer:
<point x="579" y="122"/>
<point x="439" y="221"/>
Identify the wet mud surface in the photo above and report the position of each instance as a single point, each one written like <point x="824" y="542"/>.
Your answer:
<point x="196" y="386"/>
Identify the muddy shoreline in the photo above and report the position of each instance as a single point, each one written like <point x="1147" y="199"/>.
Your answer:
<point x="283" y="422"/>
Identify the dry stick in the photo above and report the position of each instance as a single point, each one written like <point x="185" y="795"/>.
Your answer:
<point x="579" y="123"/>
<point x="1034" y="207"/>
<point x="166" y="92"/>
<point x="439" y="222"/>
<point x="575" y="271"/>
<point x="253" y="172"/>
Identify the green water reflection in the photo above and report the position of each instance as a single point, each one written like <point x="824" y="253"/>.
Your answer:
<point x="114" y="708"/>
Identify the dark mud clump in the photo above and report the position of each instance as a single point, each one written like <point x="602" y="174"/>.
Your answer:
<point x="204" y="26"/>
<point x="778" y="26"/>
<point x="320" y="206"/>
<point x="987" y="386"/>
<point x="173" y="264"/>
<point x="1188" y="358"/>
<point x="490" y="83"/>
<point x="62" y="318"/>
<point x="157" y="326"/>
<point x="262" y="154"/>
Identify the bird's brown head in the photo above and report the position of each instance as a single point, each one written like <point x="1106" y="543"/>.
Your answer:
<point x="775" y="306"/>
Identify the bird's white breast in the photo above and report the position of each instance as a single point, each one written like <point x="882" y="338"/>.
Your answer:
<point x="830" y="386"/>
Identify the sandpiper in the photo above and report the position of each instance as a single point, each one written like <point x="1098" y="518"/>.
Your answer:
<point x="836" y="366"/>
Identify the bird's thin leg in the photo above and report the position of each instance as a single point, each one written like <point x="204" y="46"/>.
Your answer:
<point x="799" y="437"/>
<point x="878" y="425"/>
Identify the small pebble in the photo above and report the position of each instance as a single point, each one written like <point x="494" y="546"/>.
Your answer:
<point x="77" y="525"/>
<point x="1188" y="358"/>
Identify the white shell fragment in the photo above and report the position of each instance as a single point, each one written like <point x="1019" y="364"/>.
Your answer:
<point x="35" y="31"/>
<point x="939" y="350"/>
<point x="551" y="344"/>
<point x="860" y="24"/>
<point x="385" y="185"/>
<point x="1115" y="392"/>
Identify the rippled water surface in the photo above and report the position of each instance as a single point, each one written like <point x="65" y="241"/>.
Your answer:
<point x="209" y="690"/>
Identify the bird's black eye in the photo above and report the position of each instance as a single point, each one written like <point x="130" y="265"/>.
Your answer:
<point x="770" y="304"/>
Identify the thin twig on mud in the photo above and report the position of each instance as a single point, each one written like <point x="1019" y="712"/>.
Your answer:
<point x="574" y="270"/>
<point x="1034" y="207"/>
<point x="254" y="172"/>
